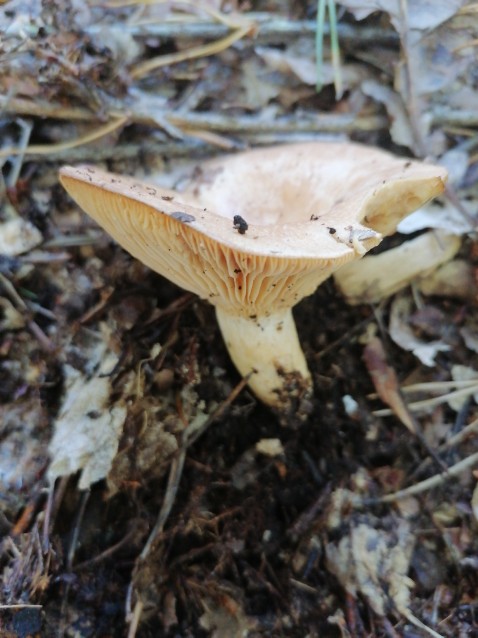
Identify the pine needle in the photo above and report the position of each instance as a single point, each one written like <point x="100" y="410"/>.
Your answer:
<point x="334" y="46"/>
<point x="46" y="149"/>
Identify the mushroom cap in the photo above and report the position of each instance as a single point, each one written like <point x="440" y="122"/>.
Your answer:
<point x="310" y="208"/>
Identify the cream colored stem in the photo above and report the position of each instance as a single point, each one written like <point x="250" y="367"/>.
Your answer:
<point x="270" y="347"/>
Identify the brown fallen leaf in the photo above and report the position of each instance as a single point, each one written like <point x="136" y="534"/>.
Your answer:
<point x="386" y="383"/>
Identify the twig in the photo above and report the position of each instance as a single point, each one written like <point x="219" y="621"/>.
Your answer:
<point x="135" y="618"/>
<point x="76" y="530"/>
<point x="46" y="149"/>
<point x="229" y="20"/>
<point x="106" y="553"/>
<point x="441" y="116"/>
<point x="25" y="519"/>
<point x="189" y="148"/>
<point x="66" y="241"/>
<point x="304" y="587"/>
<point x="418" y="623"/>
<point x="123" y="151"/>
<point x="268" y="27"/>
<point x="430" y="386"/>
<point x="194" y="436"/>
<point x="251" y="129"/>
<point x="417" y="406"/>
<point x="174" y="478"/>
<point x="21" y="606"/>
<point x="200" y="51"/>
<point x="210" y="121"/>
<point x="40" y="108"/>
<point x="213" y="139"/>
<point x="26" y="130"/>
<point x="69" y="561"/>
<point x="425" y="485"/>
<point x="22" y="307"/>
<point x="53" y="503"/>
<point x="177" y="466"/>
<point x="446" y="116"/>
<point x="239" y="25"/>
<point x="326" y="122"/>
<point x="453" y="441"/>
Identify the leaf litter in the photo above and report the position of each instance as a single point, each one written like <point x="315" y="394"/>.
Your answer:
<point x="87" y="430"/>
<point x="199" y="514"/>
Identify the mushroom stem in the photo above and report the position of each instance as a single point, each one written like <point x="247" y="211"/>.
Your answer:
<point x="267" y="346"/>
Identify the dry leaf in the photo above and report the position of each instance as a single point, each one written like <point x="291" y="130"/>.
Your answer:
<point x="18" y="236"/>
<point x="400" y="128"/>
<point x="304" y="67"/>
<point x="258" y="88"/>
<point x="403" y="335"/>
<point x="11" y="318"/>
<point x="23" y="448"/>
<point x="385" y="382"/>
<point x="469" y="334"/>
<point x="87" y="430"/>
<point x="375" y="564"/>
<point x="443" y="216"/>
<point x="422" y="15"/>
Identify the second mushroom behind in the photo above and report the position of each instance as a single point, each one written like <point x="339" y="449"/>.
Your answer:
<point x="291" y="196"/>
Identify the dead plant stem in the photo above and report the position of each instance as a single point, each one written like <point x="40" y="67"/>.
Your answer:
<point x="268" y="27"/>
<point x="430" y="483"/>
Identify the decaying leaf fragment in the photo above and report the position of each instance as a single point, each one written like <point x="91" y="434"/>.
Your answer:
<point x="18" y="236"/>
<point x="87" y="430"/>
<point x="226" y="619"/>
<point x="375" y="564"/>
<point x="422" y="15"/>
<point x="11" y="319"/>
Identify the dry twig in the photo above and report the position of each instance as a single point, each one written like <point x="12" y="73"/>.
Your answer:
<point x="423" y="486"/>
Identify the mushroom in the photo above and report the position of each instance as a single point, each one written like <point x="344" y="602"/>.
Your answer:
<point x="307" y="209"/>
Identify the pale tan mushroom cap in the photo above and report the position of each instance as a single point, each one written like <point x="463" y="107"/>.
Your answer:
<point x="310" y="209"/>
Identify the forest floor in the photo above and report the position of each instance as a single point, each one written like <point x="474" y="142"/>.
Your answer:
<point x="114" y="520"/>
